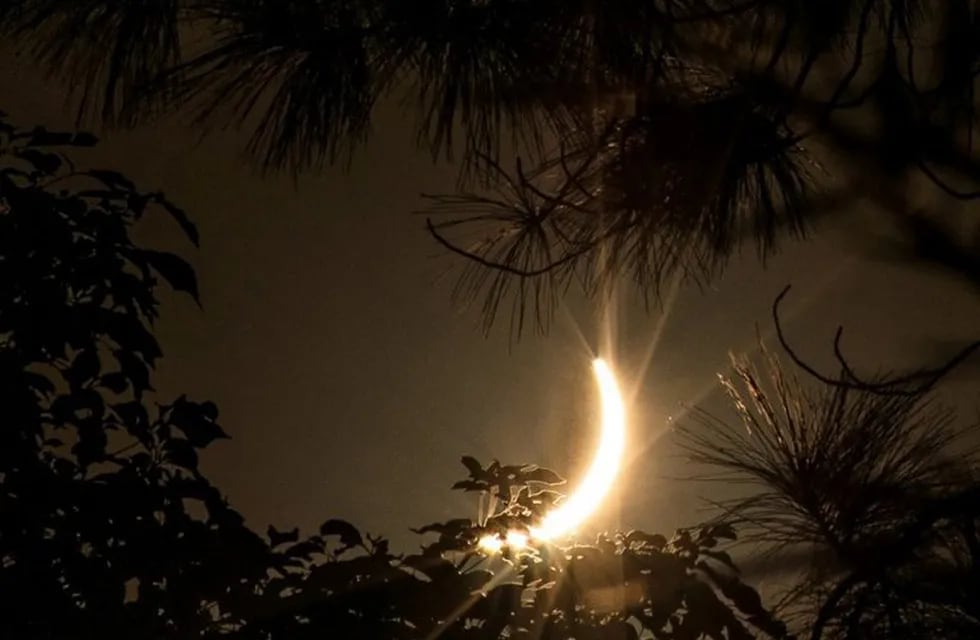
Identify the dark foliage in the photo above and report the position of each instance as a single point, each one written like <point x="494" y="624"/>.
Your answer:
<point x="108" y="529"/>
<point x="872" y="479"/>
<point x="105" y="516"/>
<point x="106" y="50"/>
<point x="657" y="136"/>
<point x="633" y="203"/>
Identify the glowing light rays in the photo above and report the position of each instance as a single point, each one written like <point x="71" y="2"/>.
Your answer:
<point x="605" y="466"/>
<point x="597" y="482"/>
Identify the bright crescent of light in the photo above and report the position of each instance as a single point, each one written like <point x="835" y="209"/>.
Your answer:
<point x="602" y="473"/>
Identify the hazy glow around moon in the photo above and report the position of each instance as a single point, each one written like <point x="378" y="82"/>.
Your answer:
<point x="596" y="483"/>
<point x="605" y="466"/>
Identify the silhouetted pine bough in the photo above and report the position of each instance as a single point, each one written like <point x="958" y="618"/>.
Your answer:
<point x="871" y="477"/>
<point x="701" y="120"/>
<point x="670" y="193"/>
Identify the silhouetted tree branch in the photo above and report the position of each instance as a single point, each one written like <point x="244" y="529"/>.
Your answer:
<point x="911" y="384"/>
<point x="701" y="116"/>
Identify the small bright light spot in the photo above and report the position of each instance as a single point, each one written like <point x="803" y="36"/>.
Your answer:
<point x="516" y="540"/>
<point x="490" y="544"/>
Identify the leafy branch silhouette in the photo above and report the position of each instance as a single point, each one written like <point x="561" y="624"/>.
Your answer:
<point x="110" y="528"/>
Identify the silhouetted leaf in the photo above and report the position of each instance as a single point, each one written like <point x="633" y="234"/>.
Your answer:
<point x="116" y="381"/>
<point x="743" y="596"/>
<point x="136" y="203"/>
<point x="194" y="487"/>
<point x="46" y="163"/>
<point x="723" y="530"/>
<point x="40" y="382"/>
<point x="475" y="580"/>
<point x="91" y="446"/>
<point x="470" y="485"/>
<point x="542" y="475"/>
<point x="84" y="368"/>
<point x="349" y="535"/>
<point x="654" y="540"/>
<point x="511" y="472"/>
<point x="181" y="453"/>
<point x="473" y="466"/>
<point x="84" y="139"/>
<point x="41" y="137"/>
<point x="620" y="631"/>
<point x="129" y="332"/>
<point x="83" y="405"/>
<point x="112" y="179"/>
<point x="196" y="421"/>
<point x="175" y="270"/>
<point x="141" y="460"/>
<point x="136" y="370"/>
<point x="133" y="415"/>
<point x="182" y="219"/>
<point x="277" y="537"/>
<point x="722" y="557"/>
<point x="747" y="600"/>
<point x="450" y="527"/>
<point x="305" y="549"/>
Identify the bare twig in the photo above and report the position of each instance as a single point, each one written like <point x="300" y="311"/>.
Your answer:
<point x="911" y="384"/>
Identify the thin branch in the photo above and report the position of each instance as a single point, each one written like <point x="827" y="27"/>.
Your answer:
<point x="921" y="380"/>
<point x="499" y="266"/>
<point x="939" y="182"/>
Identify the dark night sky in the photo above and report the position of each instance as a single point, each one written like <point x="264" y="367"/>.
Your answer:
<point x="351" y="385"/>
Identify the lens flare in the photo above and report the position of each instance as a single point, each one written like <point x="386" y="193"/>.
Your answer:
<point x="605" y="466"/>
<point x="490" y="544"/>
<point x="516" y="540"/>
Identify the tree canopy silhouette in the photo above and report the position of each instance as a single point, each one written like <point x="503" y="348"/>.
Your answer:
<point x="109" y="529"/>
<point x="656" y="136"/>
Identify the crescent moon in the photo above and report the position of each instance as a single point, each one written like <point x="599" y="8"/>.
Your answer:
<point x="594" y="487"/>
<point x="605" y="465"/>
